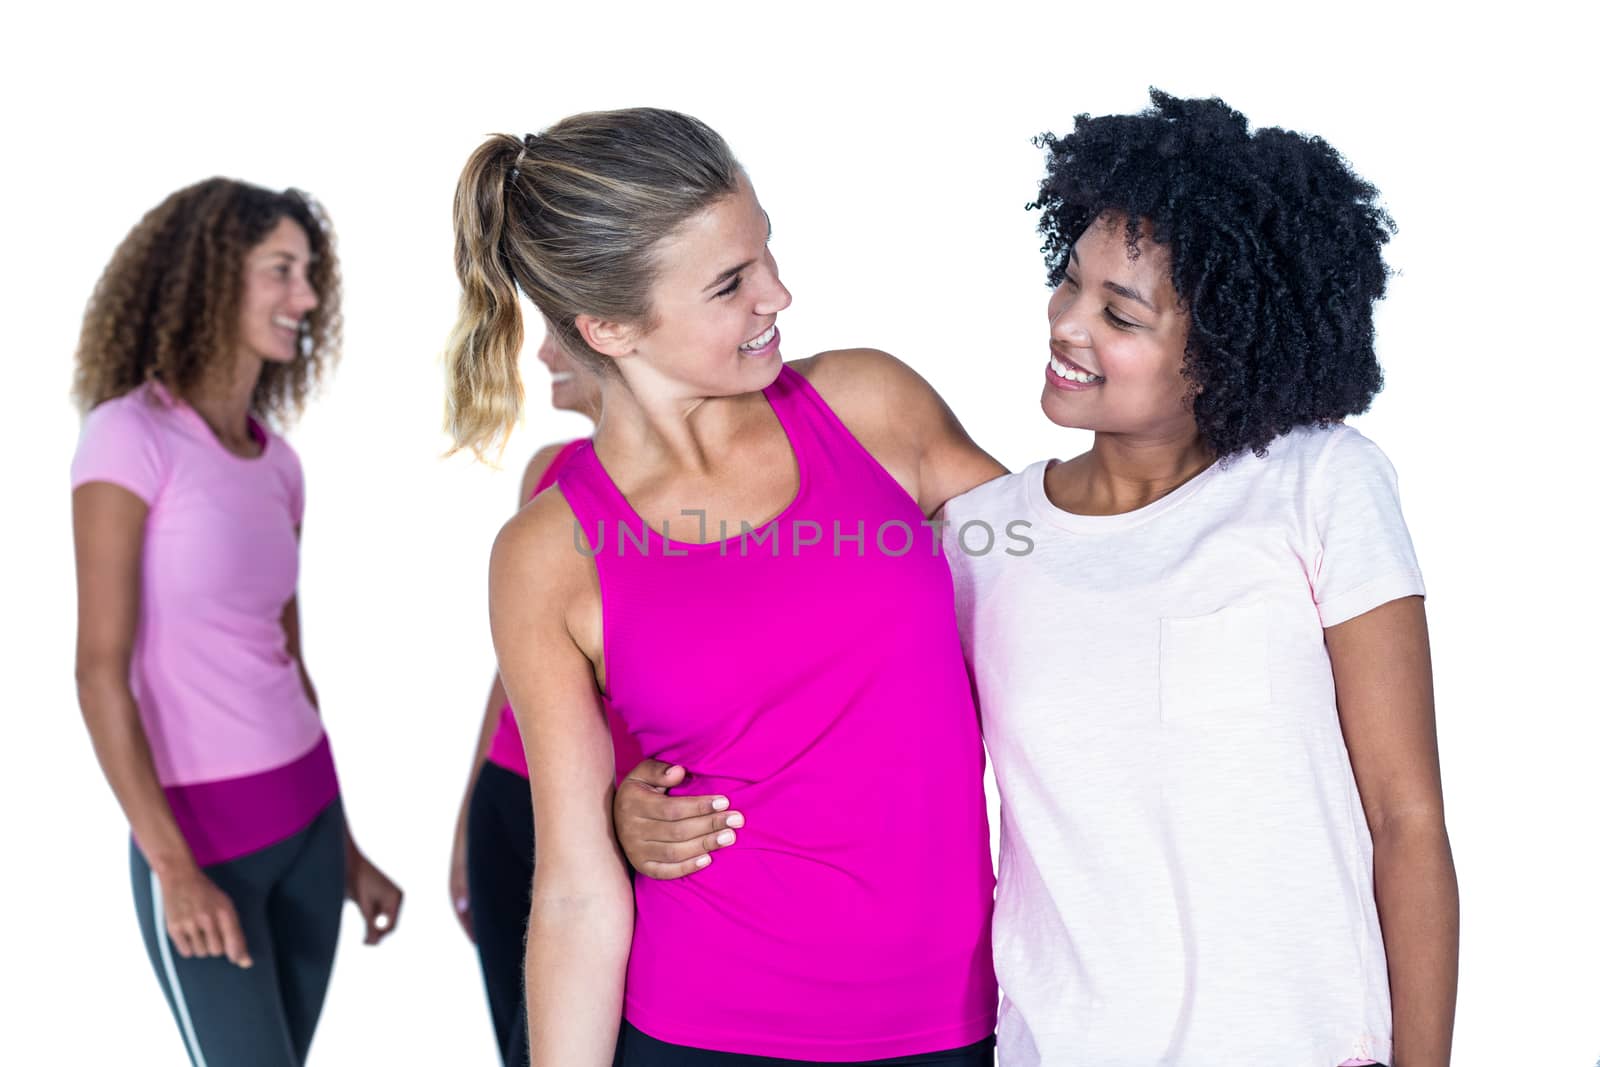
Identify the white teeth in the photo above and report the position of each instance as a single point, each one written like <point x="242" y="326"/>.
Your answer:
<point x="755" y="343"/>
<point x="1073" y="374"/>
<point x="286" y="322"/>
<point x="557" y="377"/>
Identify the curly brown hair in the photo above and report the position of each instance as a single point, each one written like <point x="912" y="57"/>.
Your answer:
<point x="167" y="306"/>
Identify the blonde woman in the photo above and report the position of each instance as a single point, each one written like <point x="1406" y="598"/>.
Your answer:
<point x="740" y="569"/>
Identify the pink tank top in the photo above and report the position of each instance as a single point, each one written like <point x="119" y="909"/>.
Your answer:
<point x="505" y="747"/>
<point x="810" y="669"/>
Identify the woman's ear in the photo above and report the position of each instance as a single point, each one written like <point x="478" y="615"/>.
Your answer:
<point x="614" y="339"/>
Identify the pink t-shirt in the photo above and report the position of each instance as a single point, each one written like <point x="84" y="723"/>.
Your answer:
<point x="233" y="736"/>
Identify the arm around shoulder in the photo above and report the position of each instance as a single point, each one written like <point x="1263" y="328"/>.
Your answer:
<point x="903" y="422"/>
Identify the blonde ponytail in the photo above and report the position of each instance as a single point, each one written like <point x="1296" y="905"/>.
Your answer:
<point x="485" y="385"/>
<point x="571" y="217"/>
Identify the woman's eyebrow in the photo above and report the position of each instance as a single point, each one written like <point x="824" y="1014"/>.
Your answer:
<point x="730" y="272"/>
<point x="1131" y="294"/>
<point x="1120" y="290"/>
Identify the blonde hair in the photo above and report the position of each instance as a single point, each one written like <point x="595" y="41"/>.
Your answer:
<point x="167" y="305"/>
<point x="572" y="217"/>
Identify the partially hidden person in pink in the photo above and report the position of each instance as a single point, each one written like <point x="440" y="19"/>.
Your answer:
<point x="1205" y="679"/>
<point x="215" y="318"/>
<point x="741" y="568"/>
<point x="492" y="858"/>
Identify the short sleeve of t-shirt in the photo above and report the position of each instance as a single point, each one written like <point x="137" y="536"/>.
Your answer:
<point x="119" y="444"/>
<point x="1364" y="556"/>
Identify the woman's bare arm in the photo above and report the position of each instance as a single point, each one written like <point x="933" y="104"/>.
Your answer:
<point x="580" y="926"/>
<point x="488" y="725"/>
<point x="1384" y="679"/>
<point x="108" y="538"/>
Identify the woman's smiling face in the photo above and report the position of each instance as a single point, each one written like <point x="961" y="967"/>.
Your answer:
<point x="1117" y="339"/>
<point x="277" y="294"/>
<point x="715" y="303"/>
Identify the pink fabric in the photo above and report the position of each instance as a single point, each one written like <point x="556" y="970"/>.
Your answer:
<point x="811" y="671"/>
<point x="218" y="692"/>
<point x="232" y="734"/>
<point x="505" y="747"/>
<point x="226" y="819"/>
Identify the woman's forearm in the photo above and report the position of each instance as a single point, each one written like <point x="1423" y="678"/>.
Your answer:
<point x="1415" y="882"/>
<point x="577" y="961"/>
<point x="123" y="750"/>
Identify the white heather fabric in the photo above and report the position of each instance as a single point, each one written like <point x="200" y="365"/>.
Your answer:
<point x="1185" y="869"/>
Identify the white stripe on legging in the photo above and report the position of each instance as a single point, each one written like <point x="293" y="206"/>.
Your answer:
<point x="165" y="941"/>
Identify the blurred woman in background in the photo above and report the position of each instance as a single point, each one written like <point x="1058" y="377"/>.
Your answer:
<point x="217" y="315"/>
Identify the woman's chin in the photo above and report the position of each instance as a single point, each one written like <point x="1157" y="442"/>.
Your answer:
<point x="281" y="354"/>
<point x="1050" y="404"/>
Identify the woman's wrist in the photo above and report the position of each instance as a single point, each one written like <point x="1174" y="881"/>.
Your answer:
<point x="352" y="854"/>
<point x="173" y="864"/>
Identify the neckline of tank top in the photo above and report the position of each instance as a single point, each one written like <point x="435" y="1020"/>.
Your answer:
<point x="198" y="422"/>
<point x="802" y="482"/>
<point x="1102" y="524"/>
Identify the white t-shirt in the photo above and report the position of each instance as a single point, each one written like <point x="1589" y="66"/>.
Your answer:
<point x="1185" y="869"/>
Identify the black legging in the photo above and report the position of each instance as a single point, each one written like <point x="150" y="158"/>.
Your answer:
<point x="499" y="885"/>
<point x="288" y="897"/>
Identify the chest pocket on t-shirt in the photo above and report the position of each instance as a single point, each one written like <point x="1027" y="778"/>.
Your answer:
<point x="1214" y="663"/>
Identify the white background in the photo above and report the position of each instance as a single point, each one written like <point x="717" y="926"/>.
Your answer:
<point x="891" y="148"/>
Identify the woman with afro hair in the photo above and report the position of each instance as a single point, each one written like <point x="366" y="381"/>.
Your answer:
<point x="1204" y="680"/>
<point x="1207" y="691"/>
<point x="216" y="316"/>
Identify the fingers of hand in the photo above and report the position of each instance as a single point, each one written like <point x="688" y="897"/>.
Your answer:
<point x="693" y="828"/>
<point x="208" y="942"/>
<point x="653" y="772"/>
<point x="689" y="839"/>
<point x="382" y="912"/>
<point x="182" y="938"/>
<point x="708" y="805"/>
<point x="233" y="942"/>
<point x="659" y="807"/>
<point x="666" y="872"/>
<point x="370" y="913"/>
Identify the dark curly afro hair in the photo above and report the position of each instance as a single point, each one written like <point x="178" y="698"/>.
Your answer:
<point x="1276" y="249"/>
